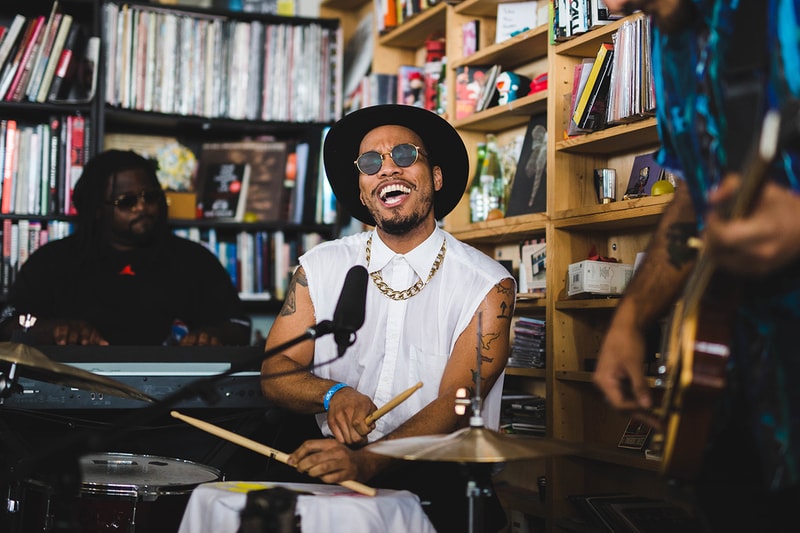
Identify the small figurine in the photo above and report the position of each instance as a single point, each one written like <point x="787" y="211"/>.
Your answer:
<point x="511" y="86"/>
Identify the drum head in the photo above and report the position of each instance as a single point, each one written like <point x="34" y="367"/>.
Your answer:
<point x="145" y="476"/>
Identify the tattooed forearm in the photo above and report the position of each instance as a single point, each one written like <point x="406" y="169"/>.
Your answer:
<point x="290" y="304"/>
<point x="678" y="248"/>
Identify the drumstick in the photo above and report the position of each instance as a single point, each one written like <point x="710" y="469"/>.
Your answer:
<point x="391" y="404"/>
<point x="257" y="447"/>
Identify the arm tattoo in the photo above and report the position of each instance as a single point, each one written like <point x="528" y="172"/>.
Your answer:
<point x="290" y="304"/>
<point x="677" y="243"/>
<point x="507" y="289"/>
<point x="486" y="343"/>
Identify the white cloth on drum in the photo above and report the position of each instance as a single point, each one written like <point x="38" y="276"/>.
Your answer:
<point x="215" y="508"/>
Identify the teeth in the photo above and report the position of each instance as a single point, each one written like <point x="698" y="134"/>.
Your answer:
<point x="396" y="187"/>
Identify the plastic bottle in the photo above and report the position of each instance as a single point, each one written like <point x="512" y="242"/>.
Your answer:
<point x="477" y="201"/>
<point x="177" y="332"/>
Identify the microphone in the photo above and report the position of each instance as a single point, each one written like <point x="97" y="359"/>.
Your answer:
<point x="349" y="314"/>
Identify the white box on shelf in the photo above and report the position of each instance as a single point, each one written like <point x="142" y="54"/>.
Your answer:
<point x="598" y="277"/>
<point x="515" y="17"/>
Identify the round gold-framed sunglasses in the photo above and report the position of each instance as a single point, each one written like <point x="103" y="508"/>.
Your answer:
<point x="128" y="201"/>
<point x="404" y="155"/>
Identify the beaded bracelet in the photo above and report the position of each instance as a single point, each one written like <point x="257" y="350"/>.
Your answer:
<point x="326" y="400"/>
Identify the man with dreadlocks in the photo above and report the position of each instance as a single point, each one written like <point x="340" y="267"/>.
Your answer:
<point x="123" y="278"/>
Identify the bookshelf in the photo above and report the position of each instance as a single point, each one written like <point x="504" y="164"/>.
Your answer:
<point x="574" y="221"/>
<point x="234" y="75"/>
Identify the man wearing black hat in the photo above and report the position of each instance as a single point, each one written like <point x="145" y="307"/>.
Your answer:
<point x="397" y="168"/>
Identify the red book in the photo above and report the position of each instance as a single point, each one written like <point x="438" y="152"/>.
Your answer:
<point x="76" y="125"/>
<point x="23" y="71"/>
<point x="9" y="164"/>
<point x="7" y="275"/>
<point x="15" y="57"/>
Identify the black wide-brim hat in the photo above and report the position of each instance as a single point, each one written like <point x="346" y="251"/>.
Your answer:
<point x="442" y="143"/>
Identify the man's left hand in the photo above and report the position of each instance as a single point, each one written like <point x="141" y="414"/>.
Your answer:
<point x="760" y="243"/>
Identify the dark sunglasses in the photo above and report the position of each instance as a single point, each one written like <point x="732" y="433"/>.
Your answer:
<point x="130" y="200"/>
<point x="404" y="155"/>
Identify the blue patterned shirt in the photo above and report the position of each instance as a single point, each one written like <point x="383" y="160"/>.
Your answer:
<point x="693" y="126"/>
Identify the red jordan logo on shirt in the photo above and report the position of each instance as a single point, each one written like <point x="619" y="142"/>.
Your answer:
<point x="127" y="271"/>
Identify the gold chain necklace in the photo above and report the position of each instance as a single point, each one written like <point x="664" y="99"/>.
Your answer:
<point x="415" y="288"/>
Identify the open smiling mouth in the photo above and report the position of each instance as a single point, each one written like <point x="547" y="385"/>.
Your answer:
<point x="394" y="193"/>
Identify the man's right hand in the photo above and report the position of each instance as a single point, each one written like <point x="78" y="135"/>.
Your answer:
<point x="77" y="332"/>
<point x="346" y="413"/>
<point x="620" y="370"/>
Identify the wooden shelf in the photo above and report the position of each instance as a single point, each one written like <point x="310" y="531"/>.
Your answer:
<point x="613" y="140"/>
<point x="414" y="31"/>
<point x="537" y="373"/>
<point x="479" y="8"/>
<point x="343" y="4"/>
<point x="501" y="117"/>
<point x="573" y="223"/>
<point x="618" y="456"/>
<point x="518" y="50"/>
<point x="586" y="45"/>
<point x="640" y="212"/>
<point x="609" y="302"/>
<point x="502" y="230"/>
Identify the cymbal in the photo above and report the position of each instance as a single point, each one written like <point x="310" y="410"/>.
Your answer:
<point x="470" y="445"/>
<point x="34" y="364"/>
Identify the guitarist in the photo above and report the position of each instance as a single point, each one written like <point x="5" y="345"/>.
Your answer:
<point x="707" y="54"/>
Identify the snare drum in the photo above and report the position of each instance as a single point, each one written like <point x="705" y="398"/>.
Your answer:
<point x="121" y="492"/>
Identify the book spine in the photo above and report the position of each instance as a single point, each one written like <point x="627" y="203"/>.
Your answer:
<point x="591" y="83"/>
<point x="39" y="62"/>
<point x="77" y="147"/>
<point x="10" y="38"/>
<point x="18" y="84"/>
<point x="53" y="58"/>
<point x="66" y="62"/>
<point x="7" y="274"/>
<point x="12" y="65"/>
<point x="8" y="165"/>
<point x="596" y="106"/>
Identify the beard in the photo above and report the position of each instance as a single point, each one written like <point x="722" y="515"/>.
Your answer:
<point x="400" y="224"/>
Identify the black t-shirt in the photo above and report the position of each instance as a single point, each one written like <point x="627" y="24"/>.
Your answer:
<point x="132" y="298"/>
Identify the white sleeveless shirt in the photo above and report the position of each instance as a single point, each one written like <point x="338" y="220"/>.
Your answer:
<point x="401" y="342"/>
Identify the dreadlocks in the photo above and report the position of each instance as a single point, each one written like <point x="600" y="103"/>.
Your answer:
<point x="89" y="195"/>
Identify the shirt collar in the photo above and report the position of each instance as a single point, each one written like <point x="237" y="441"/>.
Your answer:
<point x="420" y="258"/>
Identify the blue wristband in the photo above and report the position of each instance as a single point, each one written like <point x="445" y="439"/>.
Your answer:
<point x="326" y="400"/>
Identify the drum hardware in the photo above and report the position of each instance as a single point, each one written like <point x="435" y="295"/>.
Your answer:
<point x="474" y="446"/>
<point x="117" y="492"/>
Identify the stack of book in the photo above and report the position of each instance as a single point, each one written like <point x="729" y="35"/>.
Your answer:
<point x="523" y="414"/>
<point x="575" y="17"/>
<point x="528" y="346"/>
<point x="47" y="59"/>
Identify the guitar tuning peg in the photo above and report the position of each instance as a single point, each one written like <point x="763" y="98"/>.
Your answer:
<point x="462" y="401"/>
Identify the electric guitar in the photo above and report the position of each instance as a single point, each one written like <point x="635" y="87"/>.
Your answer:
<point x="699" y="332"/>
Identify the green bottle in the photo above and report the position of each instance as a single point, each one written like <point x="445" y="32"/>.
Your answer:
<point x="477" y="201"/>
<point x="492" y="179"/>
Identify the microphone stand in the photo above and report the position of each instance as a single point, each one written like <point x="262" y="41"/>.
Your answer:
<point x="61" y="458"/>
